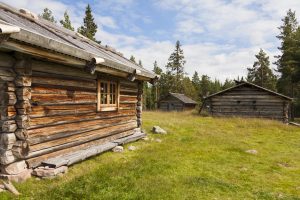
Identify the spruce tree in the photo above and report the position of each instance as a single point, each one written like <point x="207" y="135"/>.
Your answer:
<point x="47" y="15"/>
<point x="261" y="74"/>
<point x="196" y="79"/>
<point x="89" y="27"/>
<point x="228" y="84"/>
<point x="205" y="84"/>
<point x="156" y="69"/>
<point x="215" y="86"/>
<point x="66" y="22"/>
<point x="189" y="89"/>
<point x="175" y="66"/>
<point x="155" y="90"/>
<point x="196" y="84"/>
<point x="286" y="63"/>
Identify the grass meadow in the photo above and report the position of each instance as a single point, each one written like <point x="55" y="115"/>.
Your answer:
<point x="199" y="158"/>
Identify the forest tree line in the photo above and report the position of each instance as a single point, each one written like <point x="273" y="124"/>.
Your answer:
<point x="284" y="79"/>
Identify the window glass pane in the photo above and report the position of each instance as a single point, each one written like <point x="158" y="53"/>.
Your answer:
<point x="112" y="88"/>
<point x="103" y="98"/>
<point x="111" y="99"/>
<point x="108" y="93"/>
<point x="104" y="93"/>
<point x="114" y="98"/>
<point x="103" y="87"/>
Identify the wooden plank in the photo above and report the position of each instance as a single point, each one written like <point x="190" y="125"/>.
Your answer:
<point x="74" y="127"/>
<point x="51" y="146"/>
<point x="35" y="161"/>
<point x="64" y="82"/>
<point x="82" y="154"/>
<point x="136" y="136"/>
<point x="73" y="118"/>
<point x="59" y="69"/>
<point x="61" y="110"/>
<point x="72" y="98"/>
<point x="50" y="90"/>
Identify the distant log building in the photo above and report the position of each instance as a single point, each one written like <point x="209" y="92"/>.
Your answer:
<point x="61" y="93"/>
<point x="249" y="100"/>
<point x="176" y="102"/>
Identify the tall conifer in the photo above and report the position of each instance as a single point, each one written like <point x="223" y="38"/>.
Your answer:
<point x="89" y="27"/>
<point x="66" y="22"/>
<point x="175" y="66"/>
<point x="47" y="15"/>
<point x="261" y="74"/>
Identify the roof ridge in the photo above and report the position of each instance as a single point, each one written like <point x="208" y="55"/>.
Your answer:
<point x="257" y="86"/>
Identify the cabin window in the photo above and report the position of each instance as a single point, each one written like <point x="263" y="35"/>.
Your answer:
<point x="108" y="95"/>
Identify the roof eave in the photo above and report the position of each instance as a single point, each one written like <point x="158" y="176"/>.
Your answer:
<point x="35" y="39"/>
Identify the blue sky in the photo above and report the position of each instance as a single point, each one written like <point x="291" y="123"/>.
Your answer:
<point x="219" y="37"/>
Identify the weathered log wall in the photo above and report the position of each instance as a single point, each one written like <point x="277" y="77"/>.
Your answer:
<point x="171" y="104"/>
<point x="248" y="101"/>
<point x="64" y="115"/>
<point x="15" y="91"/>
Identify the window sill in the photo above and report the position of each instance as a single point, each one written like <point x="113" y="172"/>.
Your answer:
<point x="105" y="109"/>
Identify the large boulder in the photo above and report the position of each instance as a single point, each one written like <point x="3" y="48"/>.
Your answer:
<point x="158" y="130"/>
<point x="49" y="172"/>
<point x="14" y="168"/>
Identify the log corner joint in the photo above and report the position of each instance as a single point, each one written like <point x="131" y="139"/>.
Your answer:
<point x="6" y="31"/>
<point x="91" y="65"/>
<point x="154" y="80"/>
<point x="132" y="76"/>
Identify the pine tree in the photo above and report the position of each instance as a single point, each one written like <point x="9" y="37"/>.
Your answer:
<point x="286" y="63"/>
<point x="156" y="69"/>
<point x="196" y="79"/>
<point x="261" y="74"/>
<point x="196" y="84"/>
<point x="66" y="22"/>
<point x="175" y="66"/>
<point x="47" y="15"/>
<point x="89" y="27"/>
<point x="155" y="90"/>
<point x="205" y="84"/>
<point x="228" y="84"/>
<point x="296" y="74"/>
<point x="189" y="89"/>
<point x="132" y="58"/>
<point x="215" y="86"/>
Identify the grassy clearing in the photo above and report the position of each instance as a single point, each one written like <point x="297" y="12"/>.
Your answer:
<point x="201" y="158"/>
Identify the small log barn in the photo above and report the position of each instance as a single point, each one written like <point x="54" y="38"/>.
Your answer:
<point x="61" y="92"/>
<point x="249" y="100"/>
<point x="176" y="102"/>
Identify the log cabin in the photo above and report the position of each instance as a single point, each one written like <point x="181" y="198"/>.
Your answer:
<point x="176" y="102"/>
<point x="61" y="92"/>
<point x="249" y="100"/>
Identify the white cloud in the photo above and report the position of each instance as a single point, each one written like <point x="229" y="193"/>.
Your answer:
<point x="220" y="37"/>
<point x="105" y="21"/>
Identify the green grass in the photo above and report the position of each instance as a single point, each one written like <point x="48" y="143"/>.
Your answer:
<point x="200" y="158"/>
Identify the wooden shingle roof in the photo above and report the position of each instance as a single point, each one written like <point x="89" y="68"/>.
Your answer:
<point x="243" y="83"/>
<point x="41" y="33"/>
<point x="183" y="98"/>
